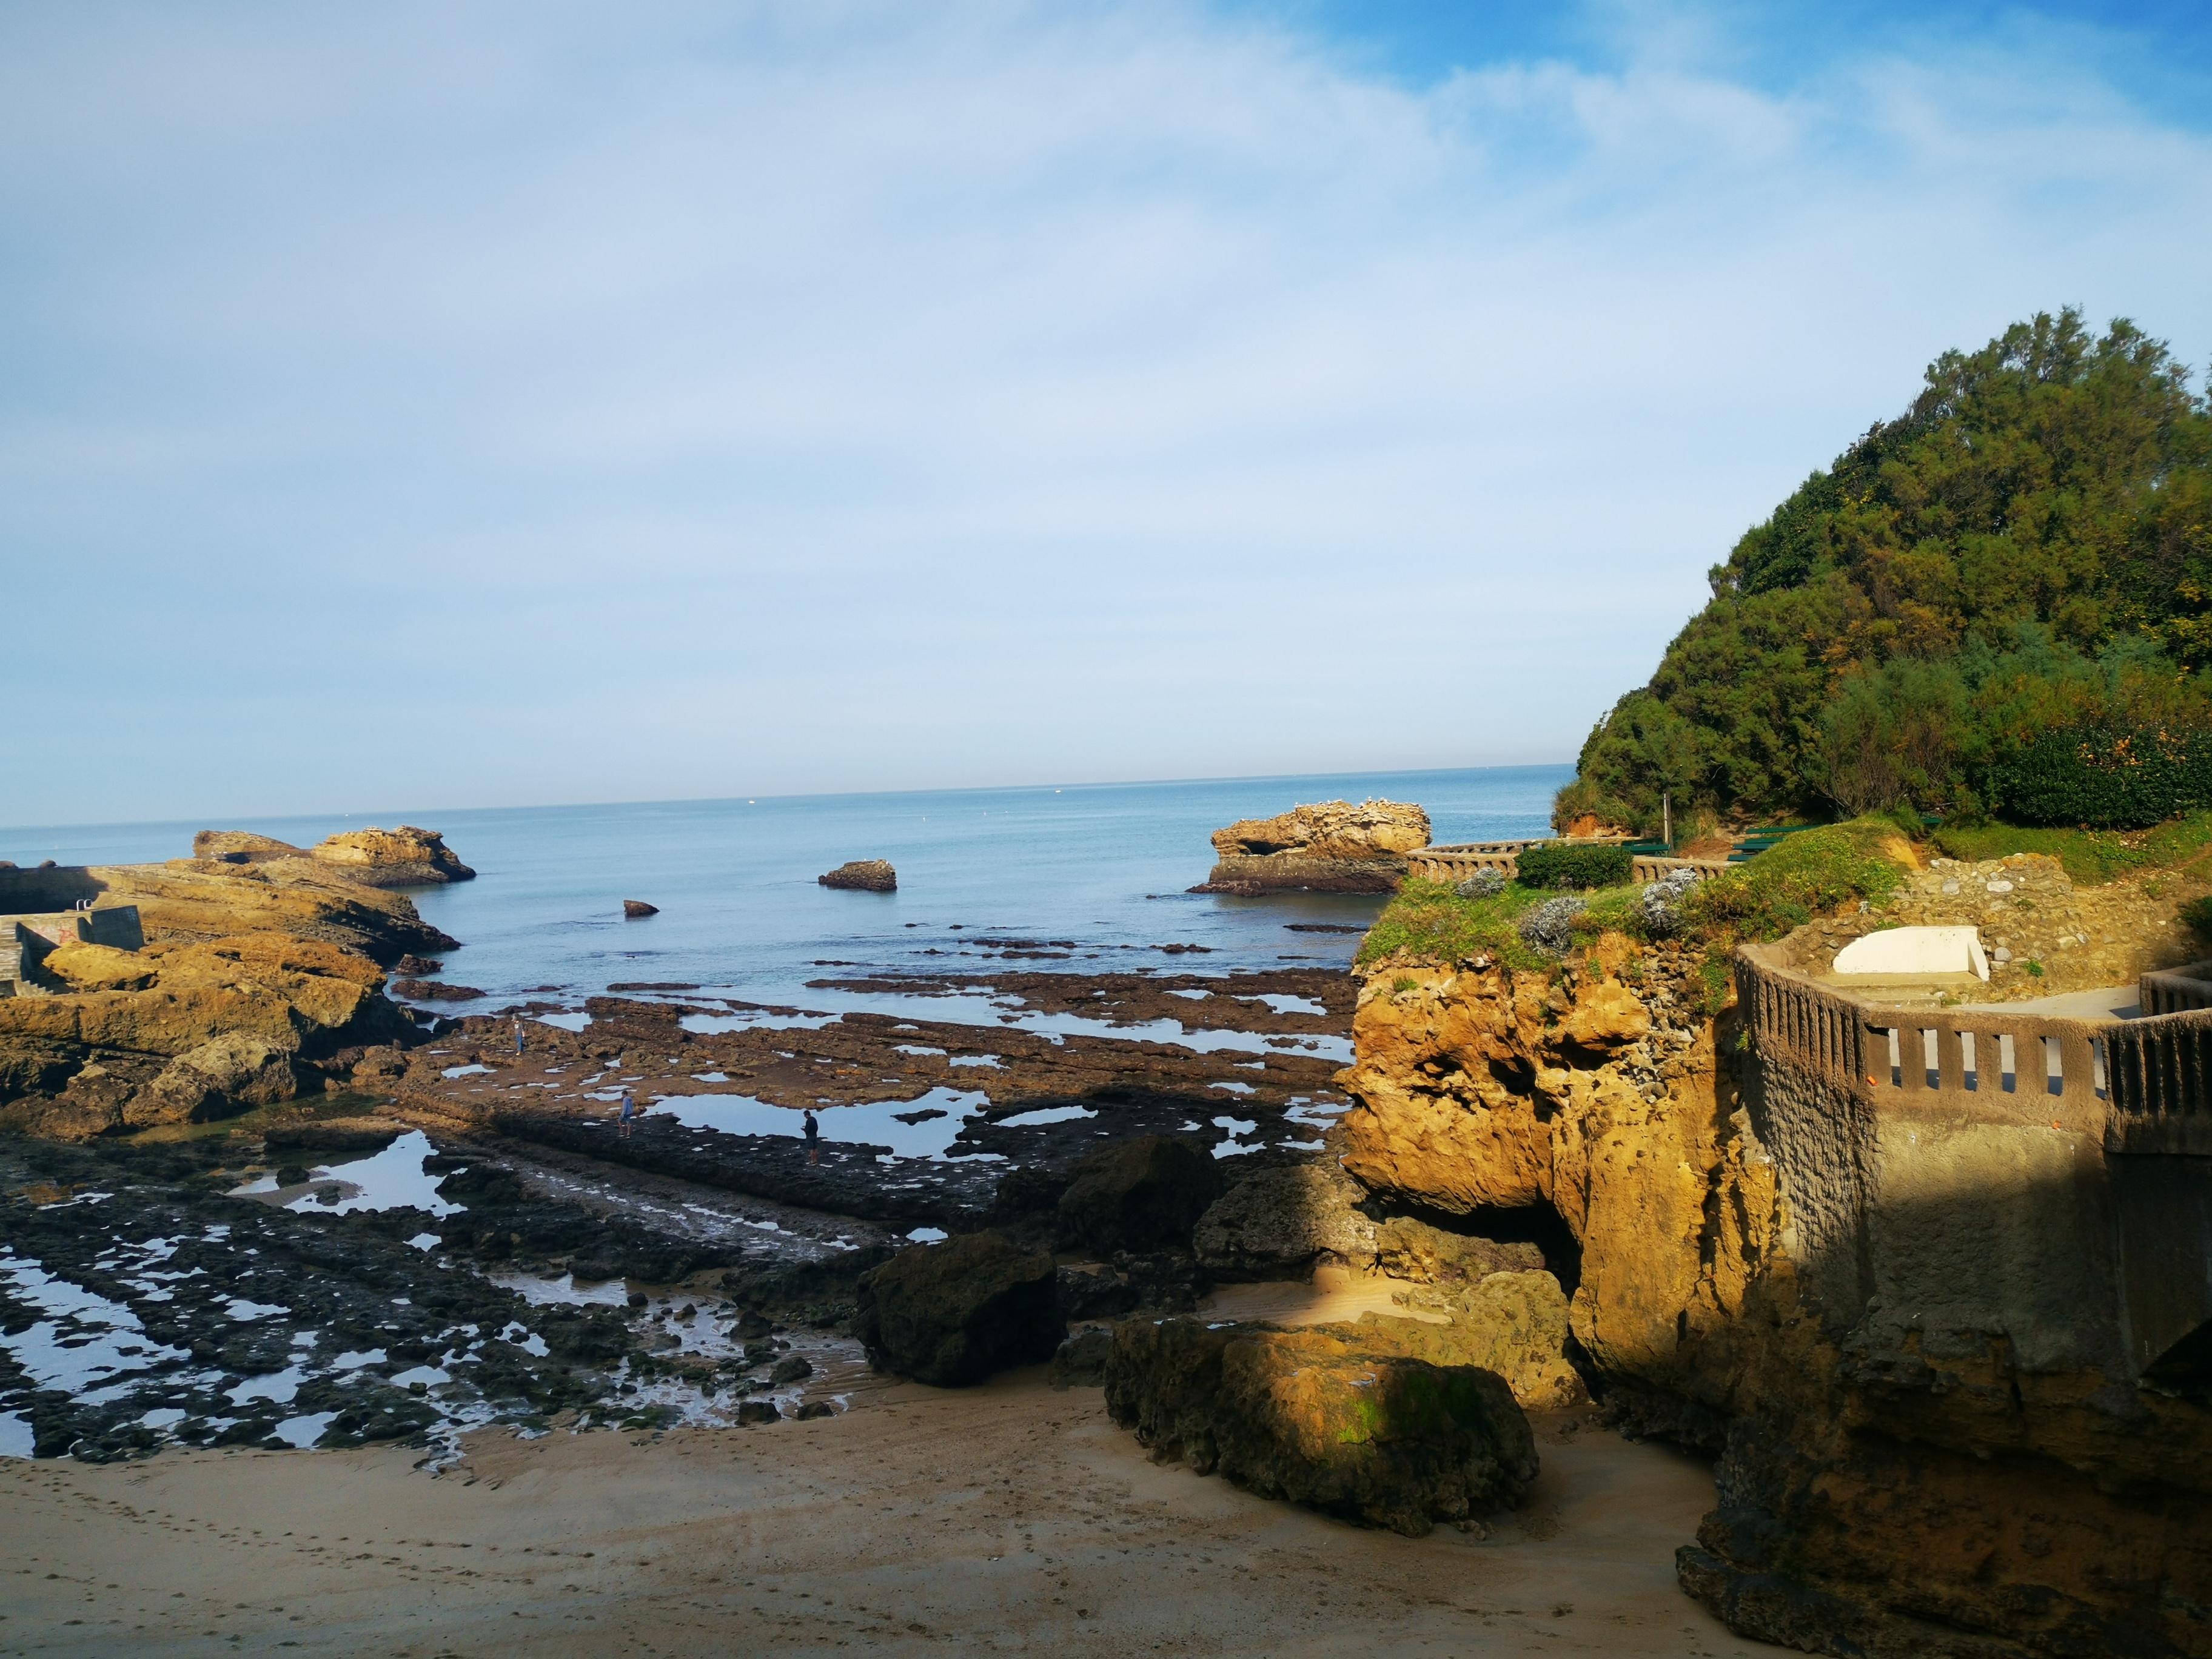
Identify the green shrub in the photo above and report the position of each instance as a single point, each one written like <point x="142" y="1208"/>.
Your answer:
<point x="2197" y="917"/>
<point x="1430" y="922"/>
<point x="1578" y="866"/>
<point x="2106" y="778"/>
<point x="1799" y="878"/>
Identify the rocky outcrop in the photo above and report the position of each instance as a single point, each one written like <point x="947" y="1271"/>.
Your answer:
<point x="1281" y="1222"/>
<point x="1901" y="1333"/>
<point x="634" y="909"/>
<point x="1320" y="1419"/>
<point x="864" y="875"/>
<point x="198" y="899"/>
<point x="1331" y="847"/>
<point x="405" y="857"/>
<point x="956" y="1312"/>
<point x="1138" y="1195"/>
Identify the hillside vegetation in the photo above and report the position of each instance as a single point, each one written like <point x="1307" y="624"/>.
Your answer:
<point x="1998" y="604"/>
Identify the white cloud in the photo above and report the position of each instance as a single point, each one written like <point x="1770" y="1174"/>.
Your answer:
<point x="800" y="397"/>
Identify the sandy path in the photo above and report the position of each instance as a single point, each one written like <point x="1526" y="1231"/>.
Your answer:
<point x="1008" y="1518"/>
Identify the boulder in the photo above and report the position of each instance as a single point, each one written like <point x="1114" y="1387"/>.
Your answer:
<point x="83" y="967"/>
<point x="864" y="875"/>
<point x="233" y="1073"/>
<point x="1323" y="1420"/>
<point x="1411" y="1249"/>
<point x="1138" y="1195"/>
<point x="1330" y="847"/>
<point x="635" y="908"/>
<point x="405" y="857"/>
<point x="954" y="1313"/>
<point x="1277" y="1223"/>
<point x="1081" y="1361"/>
<point x="1512" y="1323"/>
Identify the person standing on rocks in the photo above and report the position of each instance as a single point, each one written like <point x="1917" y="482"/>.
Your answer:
<point x="628" y="1112"/>
<point x="518" y="1034"/>
<point x="813" y="1134"/>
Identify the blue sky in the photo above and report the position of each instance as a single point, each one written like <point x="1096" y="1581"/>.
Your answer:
<point x="421" y="406"/>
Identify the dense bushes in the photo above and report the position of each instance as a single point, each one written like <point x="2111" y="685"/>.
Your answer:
<point x="1554" y="863"/>
<point x="2027" y="550"/>
<point x="2105" y="779"/>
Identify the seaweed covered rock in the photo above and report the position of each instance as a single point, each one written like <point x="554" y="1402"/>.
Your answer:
<point x="1140" y="1195"/>
<point x="862" y="875"/>
<point x="954" y="1313"/>
<point x="1323" y="1420"/>
<point x="1279" y="1223"/>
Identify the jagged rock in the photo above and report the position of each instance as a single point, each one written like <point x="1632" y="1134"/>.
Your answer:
<point x="752" y="1411"/>
<point x="1279" y="1223"/>
<point x="405" y="857"/>
<point x="231" y="1074"/>
<point x="863" y="875"/>
<point x="431" y="990"/>
<point x="1330" y="847"/>
<point x="954" y="1313"/>
<point x="634" y="907"/>
<point x="241" y="847"/>
<point x="85" y="967"/>
<point x="1322" y="1420"/>
<point x="1138" y="1195"/>
<point x="415" y="966"/>
<point x="1512" y="1323"/>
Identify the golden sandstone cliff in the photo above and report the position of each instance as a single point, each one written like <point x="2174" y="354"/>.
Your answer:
<point x="1919" y="1333"/>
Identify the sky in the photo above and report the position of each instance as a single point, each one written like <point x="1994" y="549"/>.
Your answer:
<point x="420" y="406"/>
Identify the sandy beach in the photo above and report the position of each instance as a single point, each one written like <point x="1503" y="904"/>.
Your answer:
<point x="1010" y="1518"/>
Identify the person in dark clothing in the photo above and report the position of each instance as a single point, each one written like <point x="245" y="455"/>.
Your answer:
<point x="813" y="1134"/>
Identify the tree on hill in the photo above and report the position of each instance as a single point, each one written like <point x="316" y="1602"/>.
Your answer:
<point x="2001" y="600"/>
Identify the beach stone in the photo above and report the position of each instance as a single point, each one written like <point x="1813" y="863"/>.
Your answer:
<point x="639" y="908"/>
<point x="863" y="875"/>
<point x="1080" y="1362"/>
<point x="1373" y="1436"/>
<point x="1279" y="1223"/>
<point x="956" y="1312"/>
<point x="750" y="1412"/>
<point x="793" y="1368"/>
<point x="1140" y="1195"/>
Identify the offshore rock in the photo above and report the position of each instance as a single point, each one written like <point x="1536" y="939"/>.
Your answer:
<point x="1140" y="1195"/>
<point x="636" y="907"/>
<point x="956" y="1312"/>
<point x="1322" y="1419"/>
<point x="1330" y="847"/>
<point x="863" y="875"/>
<point x="1279" y="1223"/>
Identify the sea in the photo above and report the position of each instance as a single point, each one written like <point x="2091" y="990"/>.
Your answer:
<point x="1101" y="869"/>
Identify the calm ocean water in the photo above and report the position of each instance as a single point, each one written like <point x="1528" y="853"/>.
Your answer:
<point x="1105" y="865"/>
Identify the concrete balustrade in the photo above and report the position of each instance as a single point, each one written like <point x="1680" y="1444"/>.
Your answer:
<point x="1458" y="861"/>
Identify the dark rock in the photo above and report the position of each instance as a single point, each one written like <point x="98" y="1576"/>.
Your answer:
<point x="813" y="1409"/>
<point x="639" y="908"/>
<point x="1278" y="1223"/>
<point x="750" y="1412"/>
<point x="792" y="1368"/>
<point x="1374" y="1437"/>
<point x="431" y="990"/>
<point x="415" y="966"/>
<point x="357" y="1139"/>
<point x="863" y="875"/>
<point x="1080" y="1362"/>
<point x="954" y="1313"/>
<point x="1138" y="1195"/>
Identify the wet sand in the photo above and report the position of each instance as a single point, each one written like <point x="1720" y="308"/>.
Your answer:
<point x="1007" y="1518"/>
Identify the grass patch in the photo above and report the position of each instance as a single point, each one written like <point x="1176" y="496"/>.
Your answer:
<point x="2197" y="917"/>
<point x="1795" y="880"/>
<point x="2091" y="857"/>
<point x="1802" y="877"/>
<point x="1430" y="922"/>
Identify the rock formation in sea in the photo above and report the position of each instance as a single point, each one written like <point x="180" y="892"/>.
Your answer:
<point x="405" y="857"/>
<point x="1333" y="847"/>
<point x="636" y="908"/>
<point x="863" y="875"/>
<point x="1937" y="1333"/>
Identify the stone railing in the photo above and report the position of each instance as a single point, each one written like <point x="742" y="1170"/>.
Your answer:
<point x="2143" y="1084"/>
<point x="2176" y="988"/>
<point x="1458" y="861"/>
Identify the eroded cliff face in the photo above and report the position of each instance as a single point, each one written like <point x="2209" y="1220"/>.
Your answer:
<point x="1594" y="1095"/>
<point x="1904" y="1336"/>
<point x="1330" y="847"/>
